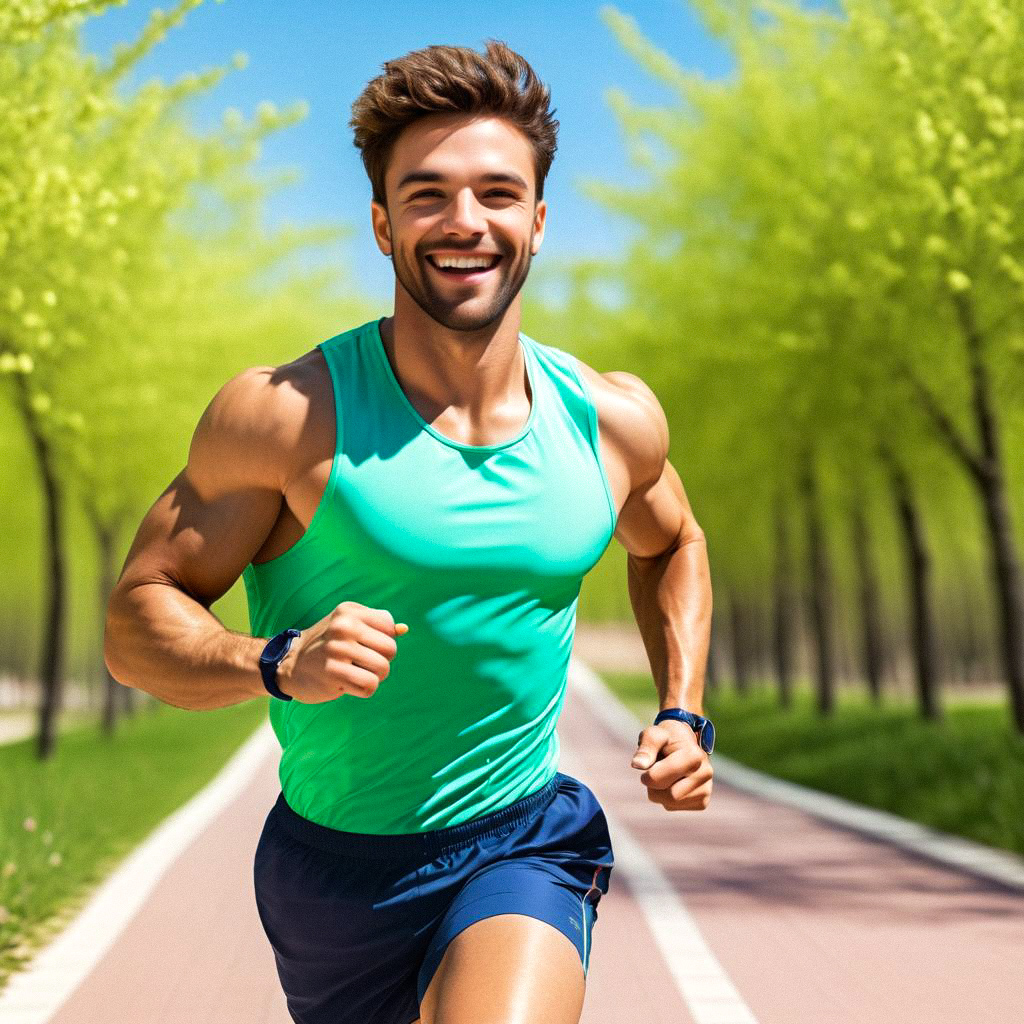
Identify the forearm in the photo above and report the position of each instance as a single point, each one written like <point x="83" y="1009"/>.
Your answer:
<point x="671" y="599"/>
<point x="160" y="640"/>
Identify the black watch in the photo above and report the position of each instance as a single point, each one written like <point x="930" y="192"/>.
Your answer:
<point x="272" y="656"/>
<point x="701" y="726"/>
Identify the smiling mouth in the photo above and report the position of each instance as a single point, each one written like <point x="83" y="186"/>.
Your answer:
<point x="464" y="268"/>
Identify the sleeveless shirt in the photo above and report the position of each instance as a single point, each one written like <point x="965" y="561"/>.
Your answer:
<point x="481" y="550"/>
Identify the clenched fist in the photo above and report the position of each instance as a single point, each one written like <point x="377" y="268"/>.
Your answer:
<point x="348" y="651"/>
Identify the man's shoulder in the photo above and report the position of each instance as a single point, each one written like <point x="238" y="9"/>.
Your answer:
<point x="269" y="412"/>
<point x="263" y="398"/>
<point x="631" y="417"/>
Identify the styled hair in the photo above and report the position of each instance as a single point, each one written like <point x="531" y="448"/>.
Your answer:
<point x="452" y="79"/>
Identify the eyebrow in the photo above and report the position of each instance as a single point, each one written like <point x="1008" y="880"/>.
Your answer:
<point x="416" y="177"/>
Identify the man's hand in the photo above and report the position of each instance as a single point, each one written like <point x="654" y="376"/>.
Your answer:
<point x="349" y="651"/>
<point x="679" y="772"/>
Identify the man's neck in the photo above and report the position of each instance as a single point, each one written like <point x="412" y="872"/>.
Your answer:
<point x="472" y="371"/>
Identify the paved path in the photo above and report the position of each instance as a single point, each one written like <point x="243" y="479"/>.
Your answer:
<point x="749" y="912"/>
<point x="16" y="725"/>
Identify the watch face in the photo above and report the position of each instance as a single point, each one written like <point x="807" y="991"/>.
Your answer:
<point x="707" y="736"/>
<point x="274" y="648"/>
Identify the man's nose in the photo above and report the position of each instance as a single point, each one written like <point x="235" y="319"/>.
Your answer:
<point x="464" y="215"/>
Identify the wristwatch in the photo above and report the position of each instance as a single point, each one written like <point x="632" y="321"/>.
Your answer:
<point x="272" y="656"/>
<point x="701" y="726"/>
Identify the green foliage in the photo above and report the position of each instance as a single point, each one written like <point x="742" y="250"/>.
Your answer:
<point x="137" y="276"/>
<point x="808" y="242"/>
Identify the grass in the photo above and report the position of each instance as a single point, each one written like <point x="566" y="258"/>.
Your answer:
<point x="963" y="775"/>
<point x="67" y="822"/>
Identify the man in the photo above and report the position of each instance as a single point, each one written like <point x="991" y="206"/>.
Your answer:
<point x="412" y="506"/>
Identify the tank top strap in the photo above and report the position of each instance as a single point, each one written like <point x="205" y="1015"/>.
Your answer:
<point x="576" y="402"/>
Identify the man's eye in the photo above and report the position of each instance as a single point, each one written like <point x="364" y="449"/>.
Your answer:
<point x="433" y="192"/>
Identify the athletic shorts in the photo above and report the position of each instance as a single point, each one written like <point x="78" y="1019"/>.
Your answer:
<point x="359" y="922"/>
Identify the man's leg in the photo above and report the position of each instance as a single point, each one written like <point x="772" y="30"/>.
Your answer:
<point x="506" y="969"/>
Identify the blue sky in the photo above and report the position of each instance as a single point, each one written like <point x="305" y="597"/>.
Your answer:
<point x="325" y="52"/>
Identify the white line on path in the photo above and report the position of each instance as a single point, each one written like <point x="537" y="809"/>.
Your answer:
<point x="34" y="995"/>
<point x="955" y="851"/>
<point x="703" y="983"/>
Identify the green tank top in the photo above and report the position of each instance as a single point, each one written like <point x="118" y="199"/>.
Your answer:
<point x="481" y="549"/>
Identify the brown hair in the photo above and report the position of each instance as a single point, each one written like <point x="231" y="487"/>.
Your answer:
<point x="452" y="79"/>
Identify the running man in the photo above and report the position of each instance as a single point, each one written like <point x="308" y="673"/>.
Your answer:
<point x="412" y="506"/>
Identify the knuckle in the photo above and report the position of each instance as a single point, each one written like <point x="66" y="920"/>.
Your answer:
<point x="367" y="686"/>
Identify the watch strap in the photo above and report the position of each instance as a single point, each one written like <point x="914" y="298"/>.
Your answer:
<point x="268" y="665"/>
<point x="701" y="726"/>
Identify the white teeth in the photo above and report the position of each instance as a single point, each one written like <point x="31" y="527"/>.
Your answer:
<point x="464" y="262"/>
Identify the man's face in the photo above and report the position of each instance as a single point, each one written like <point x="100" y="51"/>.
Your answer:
<point x="461" y="188"/>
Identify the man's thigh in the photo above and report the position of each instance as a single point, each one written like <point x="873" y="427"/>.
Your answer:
<point x="507" y="969"/>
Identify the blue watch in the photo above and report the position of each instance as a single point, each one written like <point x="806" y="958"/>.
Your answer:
<point x="701" y="726"/>
<point x="272" y="656"/>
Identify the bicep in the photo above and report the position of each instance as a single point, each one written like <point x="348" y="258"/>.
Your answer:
<point x="217" y="512"/>
<point x="656" y="513"/>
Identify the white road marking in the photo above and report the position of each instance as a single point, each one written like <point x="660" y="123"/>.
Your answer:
<point x="34" y="995"/>
<point x="955" y="851"/>
<point x="703" y="983"/>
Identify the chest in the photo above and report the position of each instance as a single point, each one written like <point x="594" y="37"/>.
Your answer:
<point x="440" y="494"/>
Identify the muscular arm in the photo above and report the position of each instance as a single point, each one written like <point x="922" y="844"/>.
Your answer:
<point x="668" y="574"/>
<point x="190" y="548"/>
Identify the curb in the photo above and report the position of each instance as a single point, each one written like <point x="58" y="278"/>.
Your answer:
<point x="952" y="851"/>
<point x="33" y="995"/>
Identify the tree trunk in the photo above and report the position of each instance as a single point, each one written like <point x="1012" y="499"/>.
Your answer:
<point x="711" y="672"/>
<point x="51" y="668"/>
<point x="972" y="647"/>
<point x="782" y="646"/>
<point x="918" y="562"/>
<point x="868" y="597"/>
<point x="107" y="577"/>
<point x="117" y="699"/>
<point x="1005" y="559"/>
<point x="820" y="595"/>
<point x="987" y="472"/>
<point x="739" y="645"/>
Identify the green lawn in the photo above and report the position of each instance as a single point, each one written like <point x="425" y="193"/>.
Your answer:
<point x="964" y="775"/>
<point x="66" y="823"/>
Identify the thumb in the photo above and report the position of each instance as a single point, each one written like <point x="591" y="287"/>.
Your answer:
<point x="645" y="754"/>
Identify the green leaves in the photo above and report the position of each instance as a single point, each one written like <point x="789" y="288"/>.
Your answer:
<point x="808" y="225"/>
<point x="136" y="270"/>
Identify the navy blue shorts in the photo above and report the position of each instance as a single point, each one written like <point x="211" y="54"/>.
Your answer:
<point x="359" y="923"/>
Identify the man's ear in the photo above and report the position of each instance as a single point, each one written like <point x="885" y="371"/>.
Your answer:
<point x="540" y="214"/>
<point x="381" y="227"/>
